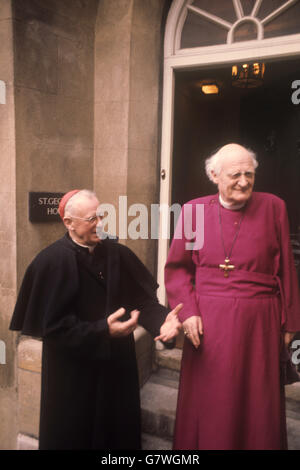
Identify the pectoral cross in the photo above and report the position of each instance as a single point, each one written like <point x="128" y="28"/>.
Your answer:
<point x="227" y="267"/>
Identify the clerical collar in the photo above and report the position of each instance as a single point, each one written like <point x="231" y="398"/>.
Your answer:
<point x="90" y="248"/>
<point x="232" y="207"/>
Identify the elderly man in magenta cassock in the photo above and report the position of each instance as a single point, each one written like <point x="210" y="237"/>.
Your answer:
<point x="84" y="297"/>
<point x="241" y="306"/>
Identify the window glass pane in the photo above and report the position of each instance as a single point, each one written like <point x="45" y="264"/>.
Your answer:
<point x="245" y="32"/>
<point x="247" y="6"/>
<point x="267" y="6"/>
<point x="287" y="22"/>
<point x="221" y="8"/>
<point x="198" y="31"/>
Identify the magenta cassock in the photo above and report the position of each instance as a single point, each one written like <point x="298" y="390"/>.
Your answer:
<point x="231" y="393"/>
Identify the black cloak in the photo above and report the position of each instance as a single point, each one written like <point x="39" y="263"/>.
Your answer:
<point x="90" y="389"/>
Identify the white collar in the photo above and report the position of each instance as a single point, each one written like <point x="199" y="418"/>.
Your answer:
<point x="232" y="207"/>
<point x="90" y="248"/>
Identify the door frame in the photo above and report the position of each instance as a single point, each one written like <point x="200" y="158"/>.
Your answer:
<point x="282" y="47"/>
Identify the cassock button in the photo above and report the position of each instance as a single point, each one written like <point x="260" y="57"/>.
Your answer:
<point x="212" y="201"/>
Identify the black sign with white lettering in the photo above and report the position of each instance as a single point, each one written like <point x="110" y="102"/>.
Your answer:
<point x="43" y="207"/>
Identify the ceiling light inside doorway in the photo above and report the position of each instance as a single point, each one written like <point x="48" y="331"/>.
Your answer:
<point x="248" y="75"/>
<point x="210" y="89"/>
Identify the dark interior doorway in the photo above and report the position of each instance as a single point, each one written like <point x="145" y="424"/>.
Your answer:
<point x="264" y="119"/>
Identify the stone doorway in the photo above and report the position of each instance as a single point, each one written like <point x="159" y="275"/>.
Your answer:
<point x="264" y="119"/>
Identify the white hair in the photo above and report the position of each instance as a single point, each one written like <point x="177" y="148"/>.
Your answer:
<point x="214" y="162"/>
<point x="70" y="207"/>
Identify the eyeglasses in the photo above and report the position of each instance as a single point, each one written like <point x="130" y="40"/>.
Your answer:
<point x="90" y="220"/>
<point x="249" y="175"/>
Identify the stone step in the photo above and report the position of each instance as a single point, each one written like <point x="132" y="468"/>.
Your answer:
<point x="159" y="399"/>
<point x="292" y="393"/>
<point x="169" y="359"/>
<point x="25" y="442"/>
<point x="158" y="404"/>
<point x="150" y="442"/>
<point x="167" y="377"/>
<point x="293" y="433"/>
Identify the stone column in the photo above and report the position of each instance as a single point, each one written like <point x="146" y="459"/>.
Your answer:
<point x="8" y="274"/>
<point x="128" y="60"/>
<point x="112" y="83"/>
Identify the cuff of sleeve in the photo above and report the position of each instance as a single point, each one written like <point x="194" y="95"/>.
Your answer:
<point x="190" y="306"/>
<point x="184" y="315"/>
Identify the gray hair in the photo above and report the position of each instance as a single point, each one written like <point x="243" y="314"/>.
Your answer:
<point x="214" y="162"/>
<point x="70" y="207"/>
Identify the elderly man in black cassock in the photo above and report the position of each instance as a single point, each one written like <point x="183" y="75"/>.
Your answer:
<point x="84" y="298"/>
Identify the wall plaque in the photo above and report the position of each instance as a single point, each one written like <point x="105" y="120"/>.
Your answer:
<point x="43" y="207"/>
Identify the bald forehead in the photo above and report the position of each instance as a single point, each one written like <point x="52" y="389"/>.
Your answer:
<point x="233" y="150"/>
<point x="84" y="205"/>
<point x="235" y="156"/>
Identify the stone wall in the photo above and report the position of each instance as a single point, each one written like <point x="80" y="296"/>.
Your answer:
<point x="128" y="79"/>
<point x="54" y="95"/>
<point x="8" y="272"/>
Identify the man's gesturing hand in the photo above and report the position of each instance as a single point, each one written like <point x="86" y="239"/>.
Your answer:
<point x="171" y="326"/>
<point x="118" y="328"/>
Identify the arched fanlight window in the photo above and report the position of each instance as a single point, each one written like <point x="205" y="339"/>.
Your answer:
<point x="215" y="22"/>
